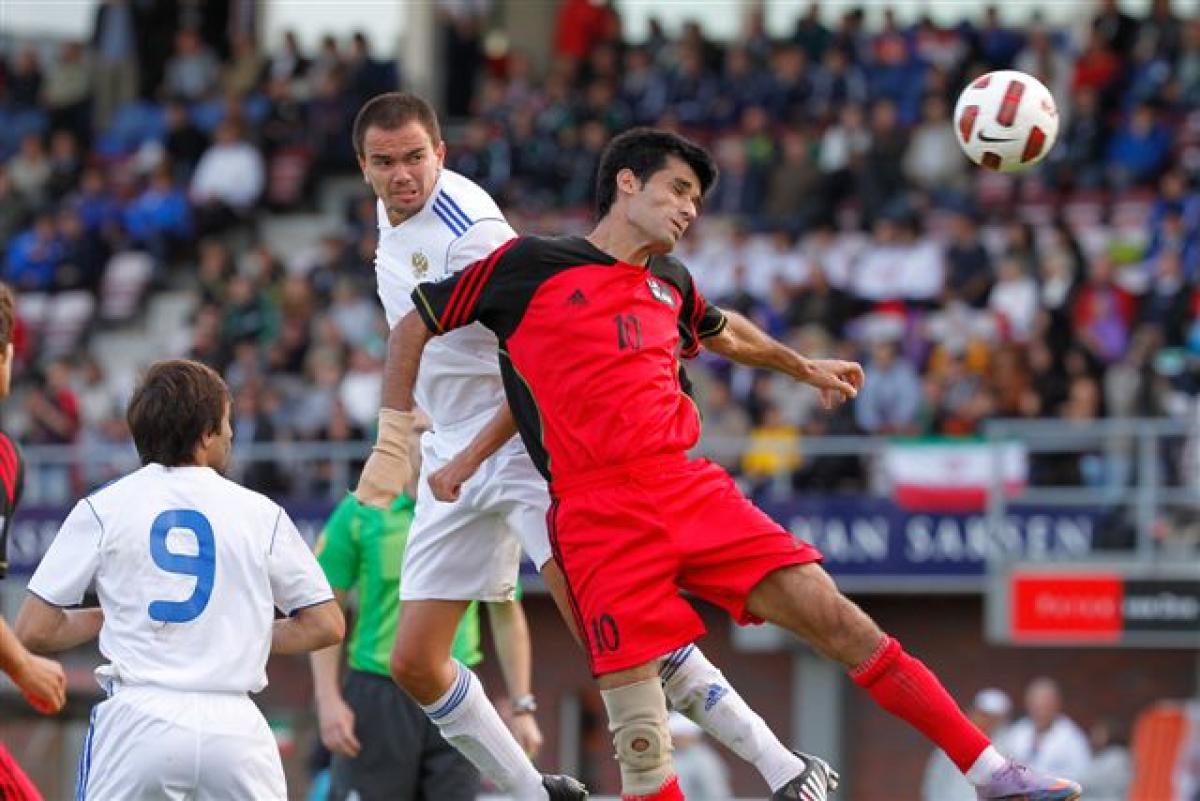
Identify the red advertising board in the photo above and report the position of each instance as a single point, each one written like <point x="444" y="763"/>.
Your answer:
<point x="1066" y="607"/>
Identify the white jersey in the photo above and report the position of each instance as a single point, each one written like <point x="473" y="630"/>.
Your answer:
<point x="189" y="568"/>
<point x="459" y="380"/>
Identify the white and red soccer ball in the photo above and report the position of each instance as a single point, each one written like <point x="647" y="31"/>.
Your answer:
<point x="1006" y="121"/>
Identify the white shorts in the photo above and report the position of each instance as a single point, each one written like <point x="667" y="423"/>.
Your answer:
<point x="154" y="743"/>
<point x="470" y="550"/>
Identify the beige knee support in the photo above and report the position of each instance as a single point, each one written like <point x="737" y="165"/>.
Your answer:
<point x="637" y="718"/>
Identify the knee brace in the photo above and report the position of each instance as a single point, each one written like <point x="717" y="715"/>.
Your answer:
<point x="637" y="718"/>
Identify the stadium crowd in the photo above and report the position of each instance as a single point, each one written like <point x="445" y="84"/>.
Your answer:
<point x="845" y="220"/>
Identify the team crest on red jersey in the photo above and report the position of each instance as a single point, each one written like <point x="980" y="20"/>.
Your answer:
<point x="660" y="292"/>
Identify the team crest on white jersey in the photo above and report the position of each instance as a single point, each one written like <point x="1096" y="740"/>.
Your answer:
<point x="420" y="264"/>
<point x="660" y="292"/>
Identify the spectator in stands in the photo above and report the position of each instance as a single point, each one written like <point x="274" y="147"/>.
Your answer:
<point x="793" y="200"/>
<point x="1138" y="151"/>
<point x="368" y="76"/>
<point x="359" y="392"/>
<point x="53" y="407"/>
<point x="355" y="313"/>
<point x="328" y="122"/>
<point x="311" y="413"/>
<point x="483" y="157"/>
<point x="115" y="59"/>
<point x="1169" y="304"/>
<point x="944" y="782"/>
<point x="462" y="42"/>
<point x="14" y="210"/>
<point x="968" y="265"/>
<point x="66" y="165"/>
<point x="1114" y="28"/>
<point x="836" y="83"/>
<point x="33" y="256"/>
<point x="1187" y="71"/>
<point x="1098" y="69"/>
<point x="998" y="44"/>
<point x="703" y="775"/>
<point x="843" y="150"/>
<point x="1049" y="64"/>
<point x="160" y="218"/>
<point x="83" y="254"/>
<point x="95" y="392"/>
<point x="1014" y="299"/>
<point x="244" y="73"/>
<point x="30" y="170"/>
<point x="97" y="205"/>
<point x="228" y="180"/>
<point x="1110" y="772"/>
<point x="193" y="70"/>
<point x="253" y="426"/>
<point x="1046" y="739"/>
<point x="882" y="179"/>
<point x="249" y="316"/>
<point x="185" y="143"/>
<point x="925" y="162"/>
<point x="288" y="63"/>
<point x="889" y="404"/>
<point x="67" y="90"/>
<point x="1102" y="312"/>
<point x="1077" y="159"/>
<point x="24" y="82"/>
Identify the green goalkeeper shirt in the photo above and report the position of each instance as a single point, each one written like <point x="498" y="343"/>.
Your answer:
<point x="361" y="548"/>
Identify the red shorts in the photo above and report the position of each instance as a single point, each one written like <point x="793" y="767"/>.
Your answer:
<point x="629" y="538"/>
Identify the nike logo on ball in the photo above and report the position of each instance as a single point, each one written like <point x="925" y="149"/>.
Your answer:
<point x="985" y="138"/>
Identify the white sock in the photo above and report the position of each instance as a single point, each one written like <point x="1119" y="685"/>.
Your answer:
<point x="696" y="689"/>
<point x="469" y="722"/>
<point x="987" y="763"/>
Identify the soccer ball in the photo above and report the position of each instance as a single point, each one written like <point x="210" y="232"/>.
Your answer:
<point x="1006" y="121"/>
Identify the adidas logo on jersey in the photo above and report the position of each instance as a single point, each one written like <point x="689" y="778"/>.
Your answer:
<point x="715" y="693"/>
<point x="576" y="298"/>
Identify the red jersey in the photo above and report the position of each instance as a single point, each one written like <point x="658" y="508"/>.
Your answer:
<point x="12" y="477"/>
<point x="589" y="347"/>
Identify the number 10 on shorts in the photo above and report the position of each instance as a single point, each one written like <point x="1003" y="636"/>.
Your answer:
<point x="606" y="638"/>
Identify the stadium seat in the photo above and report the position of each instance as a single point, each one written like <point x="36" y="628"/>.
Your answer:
<point x="1158" y="738"/>
<point x="125" y="281"/>
<point x="67" y="316"/>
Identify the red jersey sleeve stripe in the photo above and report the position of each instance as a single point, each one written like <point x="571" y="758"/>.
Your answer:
<point x="475" y="284"/>
<point x="8" y="467"/>
<point x="698" y="304"/>
<point x="460" y="292"/>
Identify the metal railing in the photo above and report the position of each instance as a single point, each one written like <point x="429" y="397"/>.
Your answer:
<point x="1144" y="471"/>
<point x="1147" y="470"/>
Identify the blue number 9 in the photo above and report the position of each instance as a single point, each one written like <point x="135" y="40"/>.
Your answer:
<point x="202" y="565"/>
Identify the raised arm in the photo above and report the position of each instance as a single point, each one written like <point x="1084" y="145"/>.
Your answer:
<point x="390" y="466"/>
<point x="745" y="343"/>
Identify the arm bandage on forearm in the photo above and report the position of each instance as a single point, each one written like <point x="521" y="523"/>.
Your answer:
<point x="390" y="466"/>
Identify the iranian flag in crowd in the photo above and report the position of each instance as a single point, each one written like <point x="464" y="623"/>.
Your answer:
<point x="952" y="475"/>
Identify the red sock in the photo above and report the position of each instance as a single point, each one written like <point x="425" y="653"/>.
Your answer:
<point x="668" y="792"/>
<point x="905" y="687"/>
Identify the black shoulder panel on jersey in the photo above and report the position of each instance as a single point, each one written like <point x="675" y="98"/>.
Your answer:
<point x="671" y="269"/>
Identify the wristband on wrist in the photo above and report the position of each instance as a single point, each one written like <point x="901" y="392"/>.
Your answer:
<point x="525" y="705"/>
